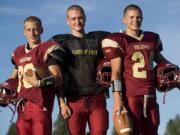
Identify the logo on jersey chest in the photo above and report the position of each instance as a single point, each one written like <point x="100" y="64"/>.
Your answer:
<point x="142" y="47"/>
<point x="25" y="59"/>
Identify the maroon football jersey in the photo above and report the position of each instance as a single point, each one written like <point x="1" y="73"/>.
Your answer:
<point x="34" y="59"/>
<point x="138" y="56"/>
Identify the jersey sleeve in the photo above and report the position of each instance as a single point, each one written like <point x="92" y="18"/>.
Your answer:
<point x="58" y="54"/>
<point x="16" y="54"/>
<point x="60" y="38"/>
<point x="12" y="61"/>
<point x="112" y="47"/>
<point x="57" y="57"/>
<point x="159" y="46"/>
<point x="100" y="35"/>
<point x="53" y="50"/>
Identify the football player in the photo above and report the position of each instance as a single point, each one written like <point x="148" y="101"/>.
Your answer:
<point x="85" y="98"/>
<point x="38" y="73"/>
<point x="132" y="53"/>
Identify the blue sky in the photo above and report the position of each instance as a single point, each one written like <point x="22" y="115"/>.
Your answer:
<point x="160" y="16"/>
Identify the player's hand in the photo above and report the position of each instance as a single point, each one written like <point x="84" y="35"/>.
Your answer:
<point x="118" y="103"/>
<point x="118" y="108"/>
<point x="65" y="111"/>
<point x="32" y="78"/>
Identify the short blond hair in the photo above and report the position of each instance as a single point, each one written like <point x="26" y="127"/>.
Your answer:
<point x="33" y="19"/>
<point x="130" y="7"/>
<point x="75" y="7"/>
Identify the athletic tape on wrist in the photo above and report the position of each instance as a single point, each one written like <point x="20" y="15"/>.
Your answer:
<point x="116" y="86"/>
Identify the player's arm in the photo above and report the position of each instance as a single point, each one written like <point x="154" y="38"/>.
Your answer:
<point x="64" y="108"/>
<point x="53" y="80"/>
<point x="14" y="73"/>
<point x="116" y="84"/>
<point x="160" y="58"/>
<point x="57" y="74"/>
<point x="112" y="51"/>
<point x="56" y="71"/>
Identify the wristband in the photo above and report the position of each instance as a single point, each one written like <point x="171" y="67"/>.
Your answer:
<point x="48" y="81"/>
<point x="116" y="86"/>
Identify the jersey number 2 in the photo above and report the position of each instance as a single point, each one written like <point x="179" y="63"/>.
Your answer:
<point x="140" y="63"/>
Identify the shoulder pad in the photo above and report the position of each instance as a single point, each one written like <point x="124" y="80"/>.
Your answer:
<point x="17" y="52"/>
<point x="114" y="35"/>
<point x="150" y="32"/>
<point x="20" y="47"/>
<point x="60" y="38"/>
<point x="99" y="33"/>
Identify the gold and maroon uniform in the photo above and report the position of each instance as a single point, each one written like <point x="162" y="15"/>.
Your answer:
<point x="137" y="55"/>
<point x="35" y="114"/>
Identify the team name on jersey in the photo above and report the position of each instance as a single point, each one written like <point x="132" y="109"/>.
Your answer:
<point x="25" y="59"/>
<point x="86" y="51"/>
<point x="142" y="46"/>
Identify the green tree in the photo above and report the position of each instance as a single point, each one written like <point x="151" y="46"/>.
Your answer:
<point x="12" y="129"/>
<point x="60" y="126"/>
<point x="173" y="126"/>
